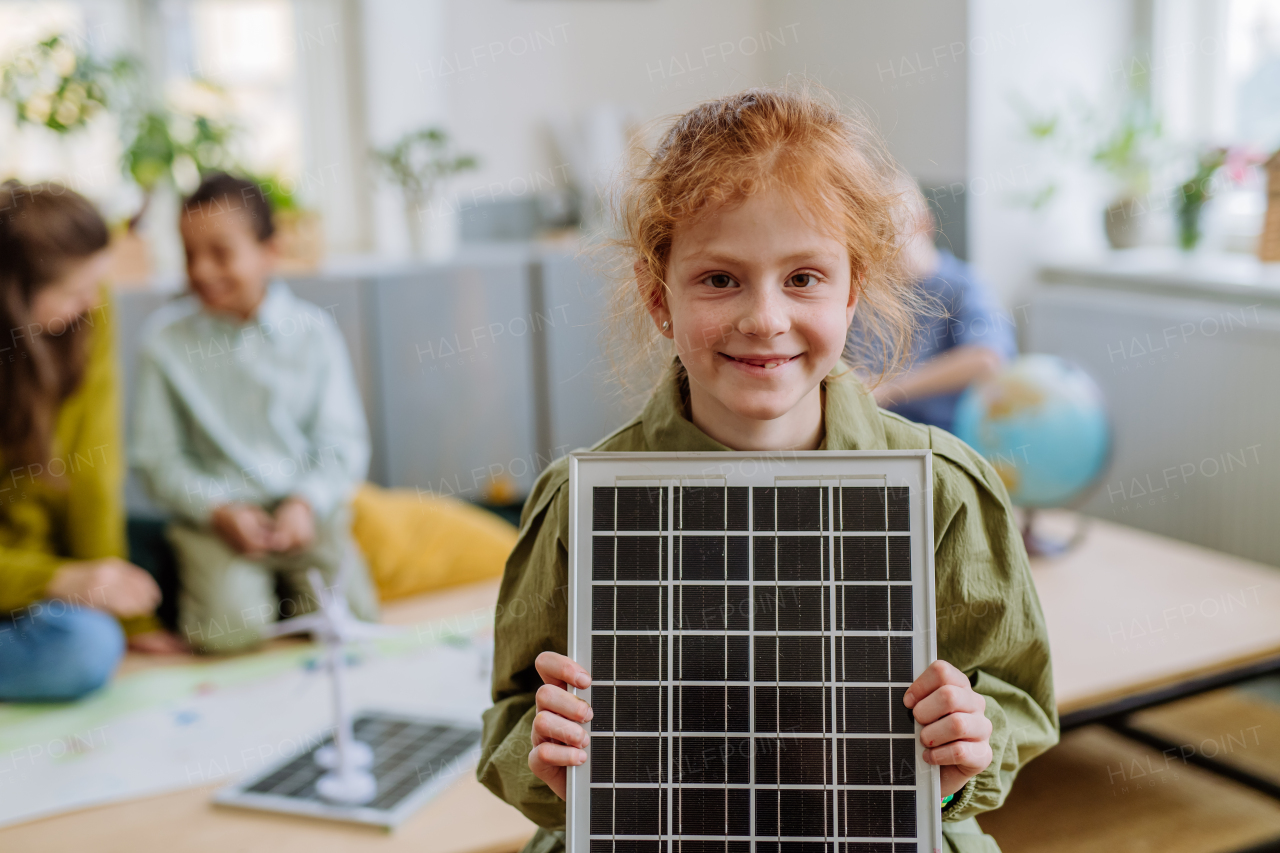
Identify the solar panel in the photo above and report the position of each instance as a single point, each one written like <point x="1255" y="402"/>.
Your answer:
<point x="413" y="760"/>
<point x="750" y="623"/>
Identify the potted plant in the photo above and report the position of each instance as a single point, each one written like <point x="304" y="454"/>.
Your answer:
<point x="417" y="163"/>
<point x="1121" y="145"/>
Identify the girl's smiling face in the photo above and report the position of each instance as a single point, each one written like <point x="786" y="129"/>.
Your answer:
<point x="758" y="304"/>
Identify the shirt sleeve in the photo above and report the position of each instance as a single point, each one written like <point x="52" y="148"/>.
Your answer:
<point x="95" y="456"/>
<point x="158" y="447"/>
<point x="532" y="616"/>
<point x="989" y="621"/>
<point x="976" y="317"/>
<point x="338" y="433"/>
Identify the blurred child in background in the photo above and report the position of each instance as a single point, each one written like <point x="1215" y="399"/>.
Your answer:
<point x="964" y="335"/>
<point x="249" y="429"/>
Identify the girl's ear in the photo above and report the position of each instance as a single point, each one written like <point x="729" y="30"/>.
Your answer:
<point x="855" y="291"/>
<point x="654" y="299"/>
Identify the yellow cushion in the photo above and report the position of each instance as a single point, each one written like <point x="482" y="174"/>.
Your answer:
<point x="415" y="543"/>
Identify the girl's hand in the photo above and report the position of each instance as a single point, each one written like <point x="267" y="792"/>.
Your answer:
<point x="558" y="739"/>
<point x="956" y="734"/>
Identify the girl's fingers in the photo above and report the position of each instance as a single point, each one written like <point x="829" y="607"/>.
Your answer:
<point x="948" y="699"/>
<point x="936" y="675"/>
<point x="549" y="726"/>
<point x="546" y="756"/>
<point x="973" y="727"/>
<point x="971" y="757"/>
<point x="562" y="702"/>
<point x="561" y="671"/>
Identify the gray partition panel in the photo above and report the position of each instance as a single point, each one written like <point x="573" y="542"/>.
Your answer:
<point x="456" y="378"/>
<point x="348" y="300"/>
<point x="584" y="402"/>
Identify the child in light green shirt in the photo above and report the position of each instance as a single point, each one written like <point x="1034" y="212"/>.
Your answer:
<point x="249" y="429"/>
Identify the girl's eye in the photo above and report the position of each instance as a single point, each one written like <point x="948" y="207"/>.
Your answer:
<point x="719" y="280"/>
<point x="803" y="279"/>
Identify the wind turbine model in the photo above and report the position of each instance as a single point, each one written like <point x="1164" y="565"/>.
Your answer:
<point x="348" y="761"/>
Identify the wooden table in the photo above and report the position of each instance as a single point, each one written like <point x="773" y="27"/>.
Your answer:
<point x="1130" y="615"/>
<point x="1135" y="618"/>
<point x="464" y="819"/>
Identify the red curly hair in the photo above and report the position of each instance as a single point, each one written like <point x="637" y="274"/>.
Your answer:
<point x="725" y="150"/>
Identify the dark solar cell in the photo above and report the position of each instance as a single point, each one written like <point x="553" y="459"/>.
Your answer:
<point x="792" y="608"/>
<point x="791" y="558"/>
<point x="795" y="658"/>
<point x="794" y="812"/>
<point x="793" y="761"/>
<point x="711" y="558"/>
<point x="790" y="508"/>
<point x="863" y="761"/>
<point x="904" y="814"/>
<point x="863" y="558"/>
<point x="640" y="708"/>
<point x="712" y="608"/>
<point x="628" y="759"/>
<point x="900" y="654"/>
<point x="712" y="760"/>
<point x="862" y="508"/>
<point x="900" y="608"/>
<point x="628" y="608"/>
<point x="904" y="761"/>
<point x="708" y="708"/>
<point x="641" y="507"/>
<point x="710" y="657"/>
<point x="899" y="508"/>
<point x="899" y="558"/>
<point x="862" y="658"/>
<point x="640" y="657"/>
<point x="863" y="608"/>
<point x="710" y="508"/>
<point x="866" y="814"/>
<point x="628" y="811"/>
<point x="602" y="498"/>
<point x="637" y="558"/>
<point x="711" y="811"/>
<point x="793" y="710"/>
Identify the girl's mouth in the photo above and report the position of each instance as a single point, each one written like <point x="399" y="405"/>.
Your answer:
<point x="761" y="362"/>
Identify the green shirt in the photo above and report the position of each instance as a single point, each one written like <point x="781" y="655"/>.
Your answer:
<point x="989" y="621"/>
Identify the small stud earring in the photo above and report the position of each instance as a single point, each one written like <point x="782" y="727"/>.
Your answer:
<point x="666" y="324"/>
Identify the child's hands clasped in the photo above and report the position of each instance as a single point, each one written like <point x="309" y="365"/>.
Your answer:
<point x="250" y="530"/>
<point x="559" y="740"/>
<point x="956" y="734"/>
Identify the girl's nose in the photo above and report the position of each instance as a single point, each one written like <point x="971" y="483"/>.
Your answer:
<point x="764" y="317"/>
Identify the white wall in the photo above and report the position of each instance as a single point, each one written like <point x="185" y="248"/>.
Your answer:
<point x="501" y="73"/>
<point x="1047" y="54"/>
<point x="904" y="63"/>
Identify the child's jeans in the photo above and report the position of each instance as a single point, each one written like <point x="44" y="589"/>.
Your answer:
<point x="226" y="597"/>
<point x="54" y="652"/>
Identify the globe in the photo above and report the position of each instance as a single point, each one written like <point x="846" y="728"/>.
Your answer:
<point x="1042" y="423"/>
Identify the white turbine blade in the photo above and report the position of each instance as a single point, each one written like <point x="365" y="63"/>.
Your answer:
<point x="308" y="622"/>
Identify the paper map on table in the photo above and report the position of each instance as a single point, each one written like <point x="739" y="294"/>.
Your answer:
<point x="207" y="723"/>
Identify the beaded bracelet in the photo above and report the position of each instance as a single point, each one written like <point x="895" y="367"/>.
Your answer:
<point x="946" y="801"/>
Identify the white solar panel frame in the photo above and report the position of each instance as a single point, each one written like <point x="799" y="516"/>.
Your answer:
<point x="910" y="468"/>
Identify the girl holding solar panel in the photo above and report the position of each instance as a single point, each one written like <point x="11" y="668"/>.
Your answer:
<point x="754" y="232"/>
